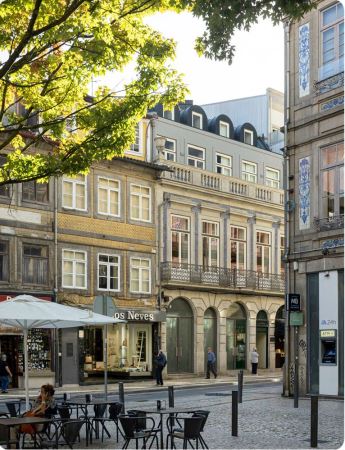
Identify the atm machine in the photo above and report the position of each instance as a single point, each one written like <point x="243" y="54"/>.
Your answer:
<point x="328" y="362"/>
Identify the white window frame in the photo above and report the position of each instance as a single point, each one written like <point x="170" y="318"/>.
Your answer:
<point x="167" y="151"/>
<point x="245" y="175"/>
<point x="74" y="273"/>
<point x="331" y="65"/>
<point x="140" y="219"/>
<point x="272" y="182"/>
<point x="282" y="252"/>
<point x="209" y="239"/>
<point x="264" y="246"/>
<point x="108" y="265"/>
<point x="180" y="232"/>
<point x="239" y="241"/>
<point x="171" y="111"/>
<point x="251" y="136"/>
<point x="196" y="114"/>
<point x="337" y="167"/>
<point x="109" y="190"/>
<point x="74" y="182"/>
<point x="194" y="158"/>
<point x="222" y="166"/>
<point x="227" y="126"/>
<point x="141" y="269"/>
<point x="138" y="141"/>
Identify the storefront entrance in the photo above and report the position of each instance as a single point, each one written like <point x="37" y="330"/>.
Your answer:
<point x="279" y="338"/>
<point x="179" y="330"/>
<point x="210" y="332"/>
<point x="9" y="345"/>
<point x="236" y="337"/>
<point x="262" y="339"/>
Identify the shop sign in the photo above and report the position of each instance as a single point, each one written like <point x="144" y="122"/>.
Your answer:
<point x="327" y="333"/>
<point x="294" y="302"/>
<point x="296" y="318"/>
<point x="4" y="297"/>
<point x="140" y="316"/>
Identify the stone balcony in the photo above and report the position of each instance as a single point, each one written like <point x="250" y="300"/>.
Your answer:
<point x="329" y="223"/>
<point x="192" y="276"/>
<point x="221" y="183"/>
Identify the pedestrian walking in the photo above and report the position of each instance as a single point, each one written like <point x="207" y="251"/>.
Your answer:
<point x="211" y="363"/>
<point x="161" y="362"/>
<point x="5" y="374"/>
<point x="254" y="358"/>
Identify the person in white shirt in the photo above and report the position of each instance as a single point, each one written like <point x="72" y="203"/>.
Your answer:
<point x="254" y="358"/>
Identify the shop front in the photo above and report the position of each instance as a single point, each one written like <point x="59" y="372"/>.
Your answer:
<point x="41" y="361"/>
<point x="131" y="346"/>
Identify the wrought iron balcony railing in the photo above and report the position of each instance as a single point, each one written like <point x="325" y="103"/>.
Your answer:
<point x="221" y="277"/>
<point x="329" y="223"/>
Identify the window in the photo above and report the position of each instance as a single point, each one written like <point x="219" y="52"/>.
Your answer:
<point x="224" y="164"/>
<point x="108" y="272"/>
<point x="74" y="192"/>
<point x="140" y="203"/>
<point x="249" y="171"/>
<point x="180" y="236"/>
<point x="4" y="261"/>
<point x="35" y="192"/>
<point x="196" y="157"/>
<point x="210" y="244"/>
<point x="108" y="196"/>
<point x="135" y="147"/>
<point x="74" y="269"/>
<point x="196" y="120"/>
<point x="272" y="177"/>
<point x="5" y="189"/>
<point x="169" y="114"/>
<point x="224" y="129"/>
<point x="332" y="176"/>
<point x="263" y="252"/>
<point x="248" y="137"/>
<point x="140" y="275"/>
<point x="169" y="151"/>
<point x="238" y="248"/>
<point x="332" y="40"/>
<point x="282" y="253"/>
<point x="35" y="264"/>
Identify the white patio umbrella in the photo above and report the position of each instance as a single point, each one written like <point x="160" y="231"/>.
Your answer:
<point x="26" y="312"/>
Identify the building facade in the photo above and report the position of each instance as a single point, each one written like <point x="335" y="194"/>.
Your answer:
<point x="220" y="239"/>
<point x="314" y="156"/>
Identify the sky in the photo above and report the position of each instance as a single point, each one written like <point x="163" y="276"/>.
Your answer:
<point x="257" y="65"/>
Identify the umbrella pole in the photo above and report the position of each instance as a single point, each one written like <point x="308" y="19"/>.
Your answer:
<point x="106" y="361"/>
<point x="26" y="367"/>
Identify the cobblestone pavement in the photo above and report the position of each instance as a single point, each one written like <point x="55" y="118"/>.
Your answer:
<point x="266" y="420"/>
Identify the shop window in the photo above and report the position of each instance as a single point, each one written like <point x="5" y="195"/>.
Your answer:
<point x="140" y="203"/>
<point x="4" y="261"/>
<point x="249" y="171"/>
<point x="224" y="129"/>
<point x="108" y="196"/>
<point x="332" y="176"/>
<point x="210" y="244"/>
<point x="140" y="270"/>
<point x="224" y="164"/>
<point x="238" y="248"/>
<point x="196" y="120"/>
<point x="74" y="192"/>
<point x="108" y="272"/>
<point x="180" y="237"/>
<point x="196" y="156"/>
<point x="272" y="178"/>
<point x="263" y="252"/>
<point x="35" y="264"/>
<point x="39" y="351"/>
<point x="74" y="269"/>
<point x="35" y="192"/>
<point x="236" y="337"/>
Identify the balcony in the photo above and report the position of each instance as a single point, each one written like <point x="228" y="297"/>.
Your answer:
<point x="330" y="76"/>
<point x="221" y="183"/>
<point x="329" y="223"/>
<point x="219" y="278"/>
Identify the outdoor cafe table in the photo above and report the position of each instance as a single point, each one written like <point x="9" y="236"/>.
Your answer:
<point x="83" y="405"/>
<point x="17" y="421"/>
<point x="161" y="413"/>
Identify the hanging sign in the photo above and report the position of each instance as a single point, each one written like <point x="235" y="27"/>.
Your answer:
<point x="294" y="302"/>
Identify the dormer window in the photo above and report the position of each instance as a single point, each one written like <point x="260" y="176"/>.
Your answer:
<point x="169" y="114"/>
<point x="248" y="136"/>
<point x="224" y="129"/>
<point x="197" y="120"/>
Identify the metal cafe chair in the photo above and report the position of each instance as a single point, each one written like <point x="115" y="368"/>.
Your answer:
<point x="132" y="430"/>
<point x="68" y="434"/>
<point x="189" y="432"/>
<point x="115" y="409"/>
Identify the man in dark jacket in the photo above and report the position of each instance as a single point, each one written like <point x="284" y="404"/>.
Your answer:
<point x="211" y="363"/>
<point x="161" y="362"/>
<point x="5" y="373"/>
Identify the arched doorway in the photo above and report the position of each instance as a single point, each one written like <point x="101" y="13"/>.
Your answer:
<point x="279" y="337"/>
<point x="179" y="329"/>
<point x="236" y="337"/>
<point x="262" y="339"/>
<point x="210" y="331"/>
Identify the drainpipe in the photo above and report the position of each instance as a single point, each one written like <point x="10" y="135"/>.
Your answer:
<point x="58" y="379"/>
<point x="286" y="381"/>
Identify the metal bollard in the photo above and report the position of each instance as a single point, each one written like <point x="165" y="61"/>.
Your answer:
<point x="314" y="419"/>
<point x="171" y="396"/>
<point x="122" y="396"/>
<point x="240" y="385"/>
<point x="234" y="418"/>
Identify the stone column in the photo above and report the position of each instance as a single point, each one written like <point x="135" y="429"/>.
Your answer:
<point x="275" y="246"/>
<point x="271" y="345"/>
<point x="251" y="242"/>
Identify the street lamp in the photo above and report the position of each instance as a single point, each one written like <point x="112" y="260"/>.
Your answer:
<point x="160" y="145"/>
